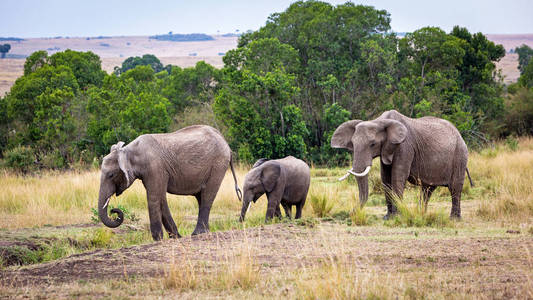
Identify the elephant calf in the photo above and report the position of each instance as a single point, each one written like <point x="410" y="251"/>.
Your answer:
<point x="285" y="181"/>
<point x="190" y="161"/>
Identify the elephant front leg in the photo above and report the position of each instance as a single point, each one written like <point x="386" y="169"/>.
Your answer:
<point x="154" y="212"/>
<point x="399" y="175"/>
<point x="168" y="222"/>
<point x="386" y="180"/>
<point x="274" y="200"/>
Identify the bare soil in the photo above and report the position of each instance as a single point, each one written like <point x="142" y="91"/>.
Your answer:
<point x="499" y="265"/>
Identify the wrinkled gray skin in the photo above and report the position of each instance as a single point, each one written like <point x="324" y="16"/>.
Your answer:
<point x="285" y="181"/>
<point x="427" y="151"/>
<point x="190" y="161"/>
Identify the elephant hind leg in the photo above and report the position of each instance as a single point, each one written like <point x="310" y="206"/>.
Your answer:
<point x="299" y="208"/>
<point x="455" y="190"/>
<point x="168" y="222"/>
<point x="206" y="198"/>
<point x="287" y="207"/>
<point x="278" y="212"/>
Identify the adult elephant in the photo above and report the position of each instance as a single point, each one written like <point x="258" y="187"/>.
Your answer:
<point x="427" y="151"/>
<point x="190" y="161"/>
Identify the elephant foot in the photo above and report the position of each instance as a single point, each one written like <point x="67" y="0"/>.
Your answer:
<point x="455" y="216"/>
<point x="198" y="231"/>
<point x="389" y="215"/>
<point x="174" y="236"/>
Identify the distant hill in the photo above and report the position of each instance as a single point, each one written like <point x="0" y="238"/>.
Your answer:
<point x="13" y="39"/>
<point x="193" y="37"/>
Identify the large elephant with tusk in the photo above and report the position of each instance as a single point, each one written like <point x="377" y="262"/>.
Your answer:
<point x="190" y="161"/>
<point x="427" y="151"/>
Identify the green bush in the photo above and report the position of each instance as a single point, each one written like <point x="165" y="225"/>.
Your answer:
<point x="20" y="159"/>
<point x="321" y="205"/>
<point x="54" y="160"/>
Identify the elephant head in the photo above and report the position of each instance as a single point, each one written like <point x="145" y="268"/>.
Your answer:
<point x="116" y="176"/>
<point x="367" y="140"/>
<point x="261" y="179"/>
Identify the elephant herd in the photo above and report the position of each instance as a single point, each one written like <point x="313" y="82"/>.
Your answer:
<point x="426" y="151"/>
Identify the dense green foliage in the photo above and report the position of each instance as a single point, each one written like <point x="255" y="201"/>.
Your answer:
<point x="282" y="91"/>
<point x="525" y="54"/>
<point x="145" y="60"/>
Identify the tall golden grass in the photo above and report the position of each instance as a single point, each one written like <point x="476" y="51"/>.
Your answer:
<point x="505" y="180"/>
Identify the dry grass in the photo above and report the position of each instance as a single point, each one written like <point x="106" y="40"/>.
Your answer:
<point x="236" y="270"/>
<point x="504" y="179"/>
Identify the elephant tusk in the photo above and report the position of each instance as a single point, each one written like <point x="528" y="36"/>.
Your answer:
<point x="345" y="176"/>
<point x="249" y="205"/>
<point x="365" y="172"/>
<point x="106" y="202"/>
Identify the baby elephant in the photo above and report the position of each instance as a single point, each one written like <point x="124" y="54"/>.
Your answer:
<point x="285" y="181"/>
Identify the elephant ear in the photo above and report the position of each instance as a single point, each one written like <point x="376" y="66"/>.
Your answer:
<point x="124" y="164"/>
<point x="117" y="146"/>
<point x="396" y="134"/>
<point x="342" y="137"/>
<point x="270" y="175"/>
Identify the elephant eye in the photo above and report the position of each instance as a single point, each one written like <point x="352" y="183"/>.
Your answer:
<point x="372" y="144"/>
<point x="110" y="175"/>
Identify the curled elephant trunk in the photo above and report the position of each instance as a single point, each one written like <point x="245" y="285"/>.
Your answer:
<point x="103" y="201"/>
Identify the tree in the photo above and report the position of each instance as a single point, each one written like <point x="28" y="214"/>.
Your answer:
<point x="145" y="60"/>
<point x="525" y="53"/>
<point x="36" y="60"/>
<point x="4" y="49"/>
<point x="86" y="66"/>
<point x="328" y="42"/>
<point x="191" y="86"/>
<point x="526" y="79"/>
<point x="124" y="108"/>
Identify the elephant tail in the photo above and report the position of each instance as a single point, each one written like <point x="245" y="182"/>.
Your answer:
<point x="237" y="189"/>
<point x="469" y="178"/>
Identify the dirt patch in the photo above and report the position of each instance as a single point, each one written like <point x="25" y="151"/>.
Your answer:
<point x="499" y="261"/>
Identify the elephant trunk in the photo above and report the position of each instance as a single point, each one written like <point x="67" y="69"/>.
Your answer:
<point x="361" y="167"/>
<point x="103" y="201"/>
<point x="245" y="206"/>
<point x="362" y="183"/>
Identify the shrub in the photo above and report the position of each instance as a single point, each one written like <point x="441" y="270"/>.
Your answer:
<point x="358" y="216"/>
<point x="54" y="160"/>
<point x="413" y="215"/>
<point x="20" y="159"/>
<point x="321" y="205"/>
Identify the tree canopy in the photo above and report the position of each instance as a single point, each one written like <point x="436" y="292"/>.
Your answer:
<point x="282" y="91"/>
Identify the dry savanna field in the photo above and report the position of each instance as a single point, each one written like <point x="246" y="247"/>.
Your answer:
<point x="51" y="247"/>
<point x="114" y="50"/>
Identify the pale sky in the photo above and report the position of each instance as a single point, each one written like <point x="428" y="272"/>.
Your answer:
<point x="48" y="18"/>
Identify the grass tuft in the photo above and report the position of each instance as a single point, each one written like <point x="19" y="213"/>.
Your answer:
<point x="359" y="217"/>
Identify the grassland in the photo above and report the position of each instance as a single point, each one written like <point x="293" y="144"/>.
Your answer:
<point x="335" y="251"/>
